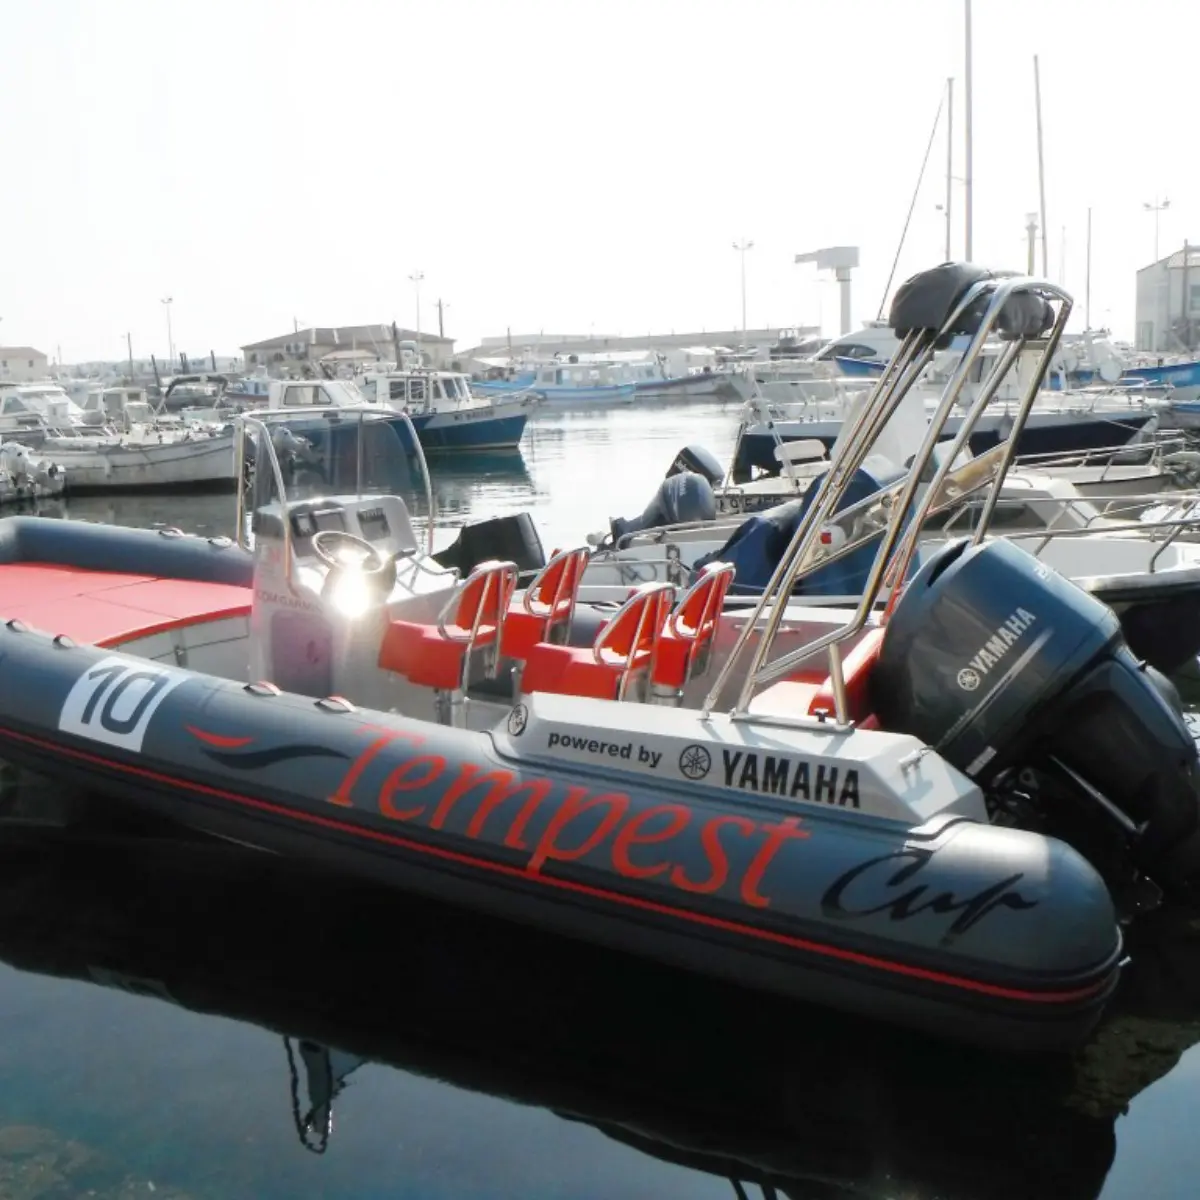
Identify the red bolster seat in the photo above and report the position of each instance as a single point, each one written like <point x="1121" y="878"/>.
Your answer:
<point x="619" y="659"/>
<point x="543" y="613"/>
<point x="682" y="650"/>
<point x="436" y="655"/>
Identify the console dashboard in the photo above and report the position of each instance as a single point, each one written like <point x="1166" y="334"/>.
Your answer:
<point x="382" y="521"/>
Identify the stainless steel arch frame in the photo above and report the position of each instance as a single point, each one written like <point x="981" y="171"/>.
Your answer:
<point x="902" y="530"/>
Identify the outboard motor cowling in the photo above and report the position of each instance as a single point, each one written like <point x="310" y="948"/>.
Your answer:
<point x="681" y="499"/>
<point x="699" y="461"/>
<point x="1009" y="670"/>
<point x="512" y="538"/>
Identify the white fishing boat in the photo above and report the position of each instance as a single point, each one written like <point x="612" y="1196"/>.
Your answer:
<point x="118" y="443"/>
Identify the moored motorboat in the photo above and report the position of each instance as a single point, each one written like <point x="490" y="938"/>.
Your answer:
<point x="1135" y="553"/>
<point x="937" y="819"/>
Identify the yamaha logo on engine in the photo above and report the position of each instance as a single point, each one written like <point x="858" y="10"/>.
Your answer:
<point x="995" y="648"/>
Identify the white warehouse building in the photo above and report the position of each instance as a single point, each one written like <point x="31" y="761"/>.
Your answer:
<point x="20" y="364"/>
<point x="1168" y="302"/>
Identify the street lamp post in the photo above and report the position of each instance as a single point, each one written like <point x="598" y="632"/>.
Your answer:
<point x="741" y="247"/>
<point x="1156" y="208"/>
<point x="167" y="302"/>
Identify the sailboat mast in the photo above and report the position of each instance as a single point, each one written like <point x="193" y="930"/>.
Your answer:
<point x="968" y="182"/>
<point x="1037" y="92"/>
<point x="949" y="161"/>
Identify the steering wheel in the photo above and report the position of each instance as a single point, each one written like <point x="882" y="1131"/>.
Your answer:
<point x="335" y="549"/>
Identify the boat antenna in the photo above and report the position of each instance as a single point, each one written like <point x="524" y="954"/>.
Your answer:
<point x="911" y="206"/>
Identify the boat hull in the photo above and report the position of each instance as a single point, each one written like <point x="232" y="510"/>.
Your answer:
<point x="466" y="431"/>
<point x="789" y="897"/>
<point x="193" y="464"/>
<point x="713" y="386"/>
<point x="601" y="396"/>
<point x="1045" y="434"/>
<point x="499" y="425"/>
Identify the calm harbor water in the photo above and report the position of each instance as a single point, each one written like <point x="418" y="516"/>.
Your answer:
<point x="480" y="1061"/>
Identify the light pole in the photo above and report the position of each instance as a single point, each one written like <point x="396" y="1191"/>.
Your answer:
<point x="415" y="278"/>
<point x="1156" y="208"/>
<point x="166" y="303"/>
<point x="741" y="247"/>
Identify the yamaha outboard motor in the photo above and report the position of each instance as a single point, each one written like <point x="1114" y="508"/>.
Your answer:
<point x="680" y="499"/>
<point x="1024" y="681"/>
<point x="699" y="461"/>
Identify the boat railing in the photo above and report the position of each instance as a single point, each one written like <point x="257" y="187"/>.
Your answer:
<point x="262" y="422"/>
<point x="1169" y="529"/>
<point x="1149" y="452"/>
<point x="1031" y="313"/>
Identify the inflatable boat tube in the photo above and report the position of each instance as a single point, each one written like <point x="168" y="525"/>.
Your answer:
<point x="165" y="553"/>
<point x="984" y="933"/>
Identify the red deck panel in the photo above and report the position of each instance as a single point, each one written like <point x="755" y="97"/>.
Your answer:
<point x="107" y="608"/>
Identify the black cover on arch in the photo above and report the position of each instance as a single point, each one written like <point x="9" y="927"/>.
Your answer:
<point x="926" y="302"/>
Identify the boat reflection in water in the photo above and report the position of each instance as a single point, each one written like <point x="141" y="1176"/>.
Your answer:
<point x="773" y="1098"/>
<point x="465" y="486"/>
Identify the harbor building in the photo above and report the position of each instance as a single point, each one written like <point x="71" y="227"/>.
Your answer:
<point x="547" y="345"/>
<point x="306" y="347"/>
<point x="1168" y="303"/>
<point x="19" y="364"/>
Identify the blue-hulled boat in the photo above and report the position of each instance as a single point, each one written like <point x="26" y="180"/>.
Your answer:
<point x="438" y="405"/>
<point x="445" y="412"/>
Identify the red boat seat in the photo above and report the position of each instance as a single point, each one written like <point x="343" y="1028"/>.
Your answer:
<point x="543" y="613"/>
<point x="619" y="660"/>
<point x="437" y="655"/>
<point x="683" y="649"/>
<point x="856" y="671"/>
<point x="810" y="692"/>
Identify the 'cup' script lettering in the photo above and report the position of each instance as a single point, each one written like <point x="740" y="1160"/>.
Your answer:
<point x="872" y="887"/>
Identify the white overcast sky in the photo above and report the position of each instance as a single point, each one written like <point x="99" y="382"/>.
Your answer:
<point x="566" y="165"/>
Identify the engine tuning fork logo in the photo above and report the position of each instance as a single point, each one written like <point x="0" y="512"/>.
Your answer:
<point x="695" y="762"/>
<point x="517" y="720"/>
<point x="968" y="679"/>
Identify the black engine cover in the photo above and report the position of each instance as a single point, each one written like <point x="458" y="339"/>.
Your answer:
<point x="983" y="638"/>
<point x="995" y="661"/>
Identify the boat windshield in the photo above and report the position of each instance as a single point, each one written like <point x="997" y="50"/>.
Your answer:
<point x="295" y="455"/>
<point x="50" y="401"/>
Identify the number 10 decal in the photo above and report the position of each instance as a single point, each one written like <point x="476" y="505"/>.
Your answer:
<point x="114" y="701"/>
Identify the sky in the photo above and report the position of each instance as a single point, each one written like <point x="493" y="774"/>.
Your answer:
<point x="560" y="165"/>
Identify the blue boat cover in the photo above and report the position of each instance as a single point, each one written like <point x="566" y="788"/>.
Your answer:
<point x="758" y="544"/>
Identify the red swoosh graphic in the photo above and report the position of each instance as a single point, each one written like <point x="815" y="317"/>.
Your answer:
<point x="217" y="739"/>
